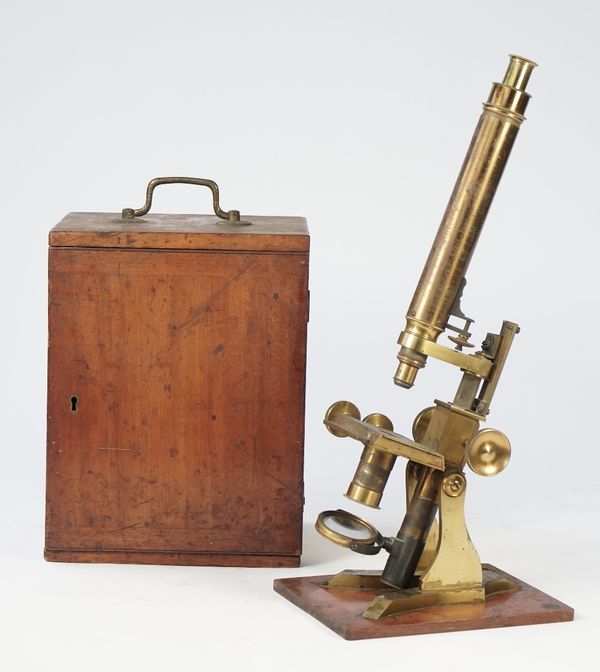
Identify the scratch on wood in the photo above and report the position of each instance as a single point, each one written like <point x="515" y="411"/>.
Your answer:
<point x="284" y="485"/>
<point x="144" y="502"/>
<point x="196" y="314"/>
<point x="127" y="527"/>
<point x="121" y="450"/>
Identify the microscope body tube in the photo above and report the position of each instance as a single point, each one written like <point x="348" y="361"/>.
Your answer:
<point x="464" y="217"/>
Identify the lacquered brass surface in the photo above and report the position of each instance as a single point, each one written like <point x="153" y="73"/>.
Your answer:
<point x="421" y="423"/>
<point x="348" y="530"/>
<point x="410" y="599"/>
<point x="501" y="345"/>
<point x="434" y="562"/>
<point x="519" y="71"/>
<point x="431" y="542"/>
<point x="379" y="420"/>
<point x="371" y="477"/>
<point x="448" y="431"/>
<point x="456" y="563"/>
<point x="498" y="586"/>
<point x="356" y="579"/>
<point x="455" y="430"/>
<point x="407" y="546"/>
<point x="344" y="425"/>
<point x="362" y="494"/>
<point x="476" y="364"/>
<point x="414" y="598"/>
<point x="373" y="469"/>
<point x="465" y="214"/>
<point x="454" y="484"/>
<point x="340" y="408"/>
<point x="488" y="452"/>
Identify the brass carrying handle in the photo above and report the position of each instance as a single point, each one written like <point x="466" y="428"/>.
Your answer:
<point x="232" y="216"/>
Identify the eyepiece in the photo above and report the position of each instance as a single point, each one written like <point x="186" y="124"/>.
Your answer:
<point x="518" y="72"/>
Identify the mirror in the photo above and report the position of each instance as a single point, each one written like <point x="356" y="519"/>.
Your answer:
<point x="347" y="530"/>
<point x="347" y="527"/>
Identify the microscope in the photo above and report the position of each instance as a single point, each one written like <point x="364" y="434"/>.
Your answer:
<point x="433" y="579"/>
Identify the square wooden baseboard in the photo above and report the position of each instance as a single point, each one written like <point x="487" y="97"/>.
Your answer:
<point x="341" y="609"/>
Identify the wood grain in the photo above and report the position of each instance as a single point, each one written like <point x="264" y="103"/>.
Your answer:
<point x="188" y="370"/>
<point x="180" y="232"/>
<point x="341" y="609"/>
<point x="190" y="558"/>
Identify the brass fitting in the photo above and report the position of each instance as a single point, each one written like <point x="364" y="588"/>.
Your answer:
<point x="373" y="469"/>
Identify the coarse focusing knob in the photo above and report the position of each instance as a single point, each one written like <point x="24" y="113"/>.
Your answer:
<point x="421" y="423"/>
<point x="488" y="452"/>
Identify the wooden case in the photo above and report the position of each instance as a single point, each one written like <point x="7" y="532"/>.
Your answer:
<point x="176" y="375"/>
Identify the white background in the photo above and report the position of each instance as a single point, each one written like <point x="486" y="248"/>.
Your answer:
<point x="356" y="115"/>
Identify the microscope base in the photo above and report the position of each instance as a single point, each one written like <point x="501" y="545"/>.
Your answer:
<point x="342" y="608"/>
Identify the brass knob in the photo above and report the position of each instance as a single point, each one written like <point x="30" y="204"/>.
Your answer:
<point x="454" y="484"/>
<point x="379" y="420"/>
<point x="343" y="408"/>
<point x="421" y="423"/>
<point x="488" y="452"/>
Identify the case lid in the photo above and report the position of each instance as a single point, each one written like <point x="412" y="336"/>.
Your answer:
<point x="180" y="232"/>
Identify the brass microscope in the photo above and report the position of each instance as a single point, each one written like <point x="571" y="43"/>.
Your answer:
<point x="432" y="562"/>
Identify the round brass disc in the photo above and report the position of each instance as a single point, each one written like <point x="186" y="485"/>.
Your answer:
<point x="421" y="423"/>
<point x="454" y="484"/>
<point x="488" y="452"/>
<point x="346" y="529"/>
<point x="379" y="420"/>
<point x="345" y="408"/>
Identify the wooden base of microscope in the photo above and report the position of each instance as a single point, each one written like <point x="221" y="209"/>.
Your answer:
<point x="341" y="609"/>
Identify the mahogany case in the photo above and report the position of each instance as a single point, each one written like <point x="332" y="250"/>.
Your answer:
<point x="176" y="376"/>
